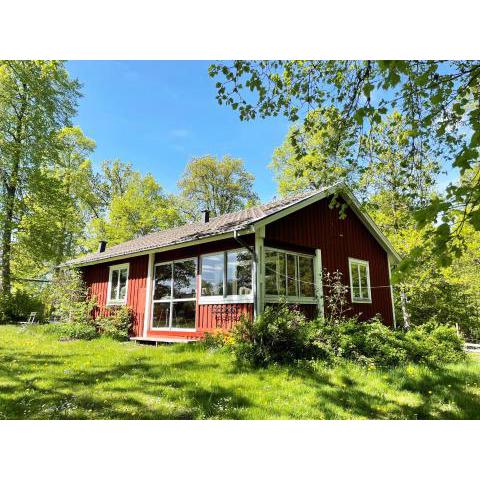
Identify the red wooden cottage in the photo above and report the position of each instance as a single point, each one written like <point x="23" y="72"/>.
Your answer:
<point x="188" y="280"/>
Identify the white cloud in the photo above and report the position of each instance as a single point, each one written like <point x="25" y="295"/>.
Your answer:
<point x="179" y="133"/>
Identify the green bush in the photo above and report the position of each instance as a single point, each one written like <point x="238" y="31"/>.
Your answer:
<point x="433" y="344"/>
<point x="17" y="307"/>
<point x="280" y="335"/>
<point x="70" y="297"/>
<point x="367" y="343"/>
<point x="217" y="339"/>
<point x="74" y="330"/>
<point x="116" y="324"/>
<point x="373" y="343"/>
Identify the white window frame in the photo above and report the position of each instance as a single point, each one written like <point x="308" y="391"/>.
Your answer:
<point x="120" y="266"/>
<point x="223" y="299"/>
<point x="172" y="300"/>
<point x="359" y="262"/>
<point x="269" y="298"/>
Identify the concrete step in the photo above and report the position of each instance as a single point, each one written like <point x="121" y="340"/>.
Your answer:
<point x="156" y="340"/>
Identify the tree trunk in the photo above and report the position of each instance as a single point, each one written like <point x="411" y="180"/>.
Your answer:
<point x="11" y="186"/>
<point x="406" y="315"/>
<point x="7" y="230"/>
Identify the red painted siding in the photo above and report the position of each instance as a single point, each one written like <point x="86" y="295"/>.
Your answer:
<point x="209" y="317"/>
<point x="318" y="226"/>
<point x="96" y="278"/>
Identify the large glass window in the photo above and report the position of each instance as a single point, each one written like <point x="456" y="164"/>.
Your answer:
<point x="359" y="280"/>
<point x="239" y="272"/>
<point x="174" y="294"/>
<point x="289" y="274"/>
<point x="275" y="274"/>
<point x="212" y="274"/>
<point x="117" y="284"/>
<point x="227" y="274"/>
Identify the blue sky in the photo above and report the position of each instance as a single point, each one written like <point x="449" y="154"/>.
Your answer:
<point x="157" y="115"/>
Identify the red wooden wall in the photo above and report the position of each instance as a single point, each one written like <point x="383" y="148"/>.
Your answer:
<point x="318" y="226"/>
<point x="209" y="317"/>
<point x="96" y="278"/>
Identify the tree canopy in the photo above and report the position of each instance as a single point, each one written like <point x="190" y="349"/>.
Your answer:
<point x="439" y="100"/>
<point x="220" y="186"/>
<point x="37" y="100"/>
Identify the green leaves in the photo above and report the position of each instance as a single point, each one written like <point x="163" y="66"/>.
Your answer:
<point x="438" y="99"/>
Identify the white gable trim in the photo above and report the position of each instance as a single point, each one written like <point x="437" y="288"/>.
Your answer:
<point x="352" y="202"/>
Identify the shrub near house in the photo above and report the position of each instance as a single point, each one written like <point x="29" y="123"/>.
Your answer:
<point x="282" y="335"/>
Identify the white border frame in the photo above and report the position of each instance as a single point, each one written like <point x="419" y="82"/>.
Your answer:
<point x="361" y="262"/>
<point x="224" y="299"/>
<point x="300" y="300"/>
<point x="173" y="300"/>
<point x="118" y="266"/>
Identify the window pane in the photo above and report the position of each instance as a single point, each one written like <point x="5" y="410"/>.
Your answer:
<point x="274" y="273"/>
<point x="239" y="273"/>
<point x="161" y="315"/>
<point x="292" y="276"/>
<point x="355" y="280"/>
<point x="123" y="283"/>
<point x="163" y="282"/>
<point x="212" y="274"/>
<point x="307" y="287"/>
<point x="184" y="280"/>
<point x="363" y="279"/>
<point x="114" y="285"/>
<point x="183" y="315"/>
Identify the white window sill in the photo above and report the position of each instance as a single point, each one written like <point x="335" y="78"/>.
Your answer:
<point x="277" y="299"/>
<point x="225" y="300"/>
<point x="360" y="300"/>
<point x="116" y="304"/>
<point x="166" y="329"/>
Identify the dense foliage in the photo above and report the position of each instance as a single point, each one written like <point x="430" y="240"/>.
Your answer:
<point x="282" y="335"/>
<point x="439" y="101"/>
<point x="217" y="185"/>
<point x="115" y="324"/>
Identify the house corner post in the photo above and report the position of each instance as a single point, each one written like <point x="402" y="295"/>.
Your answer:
<point x="259" y="272"/>
<point x="148" y="294"/>
<point x="391" y="293"/>
<point x="319" y="282"/>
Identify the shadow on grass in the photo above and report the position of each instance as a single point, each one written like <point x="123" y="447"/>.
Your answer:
<point x="433" y="394"/>
<point x="134" y="389"/>
<point x="50" y="386"/>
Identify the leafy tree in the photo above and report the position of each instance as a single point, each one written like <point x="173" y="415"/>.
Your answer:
<point x="324" y="158"/>
<point x="220" y="186"/>
<point x="37" y="99"/>
<point x="58" y="208"/>
<point x="138" y="207"/>
<point x="440" y="101"/>
<point x="114" y="179"/>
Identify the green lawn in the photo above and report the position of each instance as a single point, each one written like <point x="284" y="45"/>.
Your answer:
<point x="43" y="378"/>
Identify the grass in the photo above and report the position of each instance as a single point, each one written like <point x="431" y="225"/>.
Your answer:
<point x="43" y="378"/>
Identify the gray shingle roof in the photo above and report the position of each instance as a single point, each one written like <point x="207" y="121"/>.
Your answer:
<point x="195" y="231"/>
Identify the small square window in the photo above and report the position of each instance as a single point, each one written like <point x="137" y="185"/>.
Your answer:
<point x="359" y="281"/>
<point x="118" y="284"/>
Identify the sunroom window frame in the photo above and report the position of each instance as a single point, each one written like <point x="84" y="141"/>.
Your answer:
<point x="225" y="299"/>
<point x="172" y="300"/>
<point x="359" y="262"/>
<point x="112" y="268"/>
<point x="269" y="298"/>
